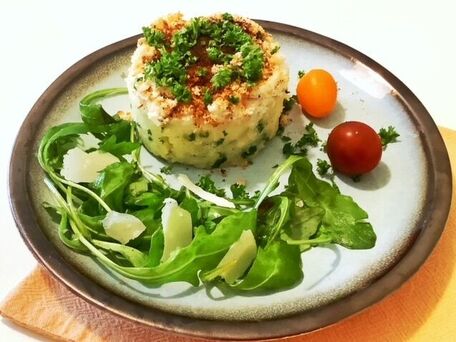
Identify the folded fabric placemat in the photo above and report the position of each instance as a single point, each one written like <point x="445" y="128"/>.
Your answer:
<point x="424" y="309"/>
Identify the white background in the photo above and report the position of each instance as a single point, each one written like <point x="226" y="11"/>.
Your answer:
<point x="40" y="39"/>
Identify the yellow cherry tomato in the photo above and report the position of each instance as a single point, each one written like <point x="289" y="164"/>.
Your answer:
<point x="317" y="93"/>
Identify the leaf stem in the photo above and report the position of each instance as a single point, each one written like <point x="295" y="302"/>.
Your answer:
<point x="320" y="240"/>
<point x="274" y="179"/>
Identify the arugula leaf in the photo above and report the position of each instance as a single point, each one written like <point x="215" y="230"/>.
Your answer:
<point x="273" y="181"/>
<point x="277" y="215"/>
<point x="276" y="267"/>
<point x="152" y="200"/>
<point x="157" y="244"/>
<point x="205" y="251"/>
<point x="118" y="149"/>
<point x="92" y="113"/>
<point x="344" y="221"/>
<point x="134" y="257"/>
<point x="66" y="235"/>
<point x="148" y="216"/>
<point x="303" y="224"/>
<point x="112" y="183"/>
<point x="214" y="212"/>
<point x="138" y="187"/>
<point x="56" y="142"/>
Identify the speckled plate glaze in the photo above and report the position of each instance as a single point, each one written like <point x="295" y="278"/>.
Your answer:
<point x="407" y="197"/>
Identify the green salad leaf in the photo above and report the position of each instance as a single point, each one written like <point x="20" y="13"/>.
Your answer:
<point x="112" y="183"/>
<point x="93" y="113"/>
<point x="276" y="267"/>
<point x="343" y="222"/>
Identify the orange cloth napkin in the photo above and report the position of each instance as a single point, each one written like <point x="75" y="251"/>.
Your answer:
<point x="422" y="310"/>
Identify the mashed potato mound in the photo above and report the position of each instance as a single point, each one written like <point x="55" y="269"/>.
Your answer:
<point x="228" y="103"/>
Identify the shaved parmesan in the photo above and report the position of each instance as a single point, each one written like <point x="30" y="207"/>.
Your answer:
<point x="177" y="228"/>
<point x="82" y="167"/>
<point x="220" y="201"/>
<point x="239" y="257"/>
<point x="122" y="227"/>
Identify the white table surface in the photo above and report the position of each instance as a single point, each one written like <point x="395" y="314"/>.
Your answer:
<point x="41" y="39"/>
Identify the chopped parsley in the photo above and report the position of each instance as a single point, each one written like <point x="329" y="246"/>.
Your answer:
<point x="219" y="161"/>
<point x="323" y="167"/>
<point x="260" y="127"/>
<point x="323" y="146"/>
<point x="202" y="72"/>
<point x="181" y="92"/>
<point x="325" y="170"/>
<point x="308" y="139"/>
<point x="233" y="99"/>
<point x="288" y="149"/>
<point x="301" y="73"/>
<point x="170" y="70"/>
<point x="218" y="56"/>
<point x="388" y="135"/>
<point x="220" y="141"/>
<point x="167" y="170"/>
<point x="289" y="103"/>
<point x="275" y="49"/>
<point x="191" y="137"/>
<point x="241" y="195"/>
<point x="250" y="151"/>
<point x="238" y="191"/>
<point x="153" y="37"/>
<point x="222" y="78"/>
<point x="206" y="183"/>
<point x="280" y="130"/>
<point x="207" y="98"/>
<point x="356" y="179"/>
<point x="227" y="17"/>
<point x="252" y="62"/>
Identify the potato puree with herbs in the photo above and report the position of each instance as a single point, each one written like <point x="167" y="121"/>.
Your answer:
<point x="207" y="92"/>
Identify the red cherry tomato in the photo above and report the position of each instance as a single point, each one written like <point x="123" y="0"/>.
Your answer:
<point x="354" y="148"/>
